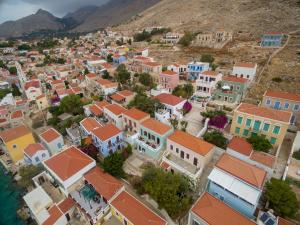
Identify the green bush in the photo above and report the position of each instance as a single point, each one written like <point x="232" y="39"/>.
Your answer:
<point x="296" y="155"/>
<point x="187" y="39"/>
<point x="277" y="79"/>
<point x="217" y="138"/>
<point x="259" y="143"/>
<point x="113" y="164"/>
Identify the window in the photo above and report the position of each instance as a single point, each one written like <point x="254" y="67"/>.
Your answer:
<point x="195" y="161"/>
<point x="237" y="130"/>
<point x="268" y="102"/>
<point x="276" y="130"/>
<point x="177" y="150"/>
<point x="239" y="120"/>
<point x="266" y="127"/>
<point x="187" y="156"/>
<point x="273" y="140"/>
<point x="256" y="125"/>
<point x="171" y="147"/>
<point x="43" y="155"/>
<point x="248" y="122"/>
<point x="37" y="159"/>
<point x="14" y="146"/>
<point x="59" y="145"/>
<point x="286" y="105"/>
<point x="296" y="107"/>
<point x="246" y="132"/>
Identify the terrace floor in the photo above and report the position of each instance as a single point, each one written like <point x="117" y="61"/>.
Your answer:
<point x="113" y="221"/>
<point x="183" y="164"/>
<point x="52" y="191"/>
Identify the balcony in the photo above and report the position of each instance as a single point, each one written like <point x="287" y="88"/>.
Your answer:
<point x="148" y="144"/>
<point x="90" y="202"/>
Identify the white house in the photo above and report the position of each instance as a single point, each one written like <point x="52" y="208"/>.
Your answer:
<point x="52" y="140"/>
<point x="107" y="87"/>
<point x="114" y="113"/>
<point x="245" y="70"/>
<point x="36" y="153"/>
<point x="32" y="89"/>
<point x="206" y="83"/>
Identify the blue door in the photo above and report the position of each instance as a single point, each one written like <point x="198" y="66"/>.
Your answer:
<point x="277" y="105"/>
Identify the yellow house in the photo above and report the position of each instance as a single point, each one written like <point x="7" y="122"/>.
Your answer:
<point x="42" y="102"/>
<point x="249" y="119"/>
<point x="15" y="140"/>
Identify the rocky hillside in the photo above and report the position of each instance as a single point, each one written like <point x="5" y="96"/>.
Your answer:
<point x="255" y="16"/>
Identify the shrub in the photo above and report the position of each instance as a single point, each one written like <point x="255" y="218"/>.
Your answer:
<point x="187" y="107"/>
<point x="218" y="121"/>
<point x="217" y="138"/>
<point x="113" y="164"/>
<point x="212" y="113"/>
<point x="296" y="155"/>
<point x="187" y="38"/>
<point x="277" y="79"/>
<point x="259" y="143"/>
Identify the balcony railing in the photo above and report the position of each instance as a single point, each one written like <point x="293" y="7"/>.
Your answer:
<point x="153" y="146"/>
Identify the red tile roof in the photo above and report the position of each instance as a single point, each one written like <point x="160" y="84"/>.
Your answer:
<point x="279" y="115"/>
<point x="31" y="149"/>
<point x="106" y="132"/>
<point x="242" y="170"/>
<point x="241" y="64"/>
<point x="102" y="104"/>
<point x="66" y="205"/>
<point x="32" y="83"/>
<point x="210" y="73"/>
<point x="263" y="158"/>
<point x="135" y="211"/>
<point x="54" y="215"/>
<point x="215" y="212"/>
<point x="240" y="145"/>
<point x="16" y="114"/>
<point x="126" y="93"/>
<point x="136" y="114"/>
<point x="169" y="99"/>
<point x="91" y="75"/>
<point x="96" y="110"/>
<point x="116" y="97"/>
<point x="235" y="79"/>
<point x="169" y="72"/>
<point x="14" y="133"/>
<point x="152" y="64"/>
<point x="50" y="135"/>
<point x="104" y="183"/>
<point x="283" y="95"/>
<point x="191" y="142"/>
<point x="115" y="109"/>
<point x="90" y="124"/>
<point x="156" y="126"/>
<point x="67" y="163"/>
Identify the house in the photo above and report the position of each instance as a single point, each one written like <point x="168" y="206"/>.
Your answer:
<point x="152" y="137"/>
<point x="118" y="59"/>
<point x="17" y="118"/>
<point x="68" y="167"/>
<point x="173" y="107"/>
<point x="217" y="39"/>
<point x="75" y="134"/>
<point x="113" y="113"/>
<point x="107" y="139"/>
<point x="171" y="38"/>
<point x="122" y="97"/>
<point x="283" y="100"/>
<point x="206" y="83"/>
<point x="195" y="68"/>
<point x="179" y="68"/>
<point x="237" y="183"/>
<point x="32" y="89"/>
<point x="209" y="210"/>
<point x="90" y="79"/>
<point x="231" y="89"/>
<point x="129" y="210"/>
<point x="42" y="102"/>
<point x="106" y="87"/>
<point x="272" y="39"/>
<point x="187" y="154"/>
<point x="168" y="80"/>
<point x="95" y="109"/>
<point x="52" y="140"/>
<point x="89" y="124"/>
<point x="245" y="70"/>
<point x="132" y="118"/>
<point x="153" y="68"/>
<point x="36" y="153"/>
<point x="15" y="140"/>
<point x="249" y="119"/>
<point x="265" y="218"/>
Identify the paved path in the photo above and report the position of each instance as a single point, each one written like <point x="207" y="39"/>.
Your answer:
<point x="194" y="121"/>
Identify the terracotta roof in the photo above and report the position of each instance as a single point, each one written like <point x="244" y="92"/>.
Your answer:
<point x="106" y="132"/>
<point x="115" y="109"/>
<point x="126" y="93"/>
<point x="91" y="75"/>
<point x="90" y="124"/>
<point x="31" y="149"/>
<point x="54" y="215"/>
<point x="135" y="211"/>
<point x="156" y="126"/>
<point x="210" y="73"/>
<point x="136" y="114"/>
<point x="32" y="83"/>
<point x="96" y="110"/>
<point x="164" y="165"/>
<point x="191" y="142"/>
<point x="169" y="72"/>
<point x="235" y="79"/>
<point x="104" y="183"/>
<point x="283" y="95"/>
<point x="16" y="114"/>
<point x="241" y="64"/>
<point x="169" y="99"/>
<point x="14" y="133"/>
<point x="67" y="163"/>
<point x="242" y="170"/>
<point x="282" y="221"/>
<point x="41" y="96"/>
<point x="66" y="205"/>
<point x="269" y="113"/>
<point x="240" y="145"/>
<point x="142" y="58"/>
<point x="152" y="64"/>
<point x="117" y="97"/>
<point x="263" y="158"/>
<point x="107" y="83"/>
<point x="102" y="104"/>
<point x="50" y="135"/>
<point x="215" y="212"/>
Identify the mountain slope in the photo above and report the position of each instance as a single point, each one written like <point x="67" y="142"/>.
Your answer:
<point x="255" y="16"/>
<point x="114" y="12"/>
<point x="81" y="14"/>
<point x="41" y="20"/>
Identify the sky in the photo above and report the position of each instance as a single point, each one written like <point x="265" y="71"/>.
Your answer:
<point x="16" y="9"/>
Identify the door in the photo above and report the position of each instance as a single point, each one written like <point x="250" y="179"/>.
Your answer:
<point x="182" y="154"/>
<point x="277" y="105"/>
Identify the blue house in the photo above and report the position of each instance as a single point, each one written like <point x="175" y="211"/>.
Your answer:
<point x="271" y="40"/>
<point x="237" y="183"/>
<point x="152" y="137"/>
<point x="195" y="68"/>
<point x="108" y="139"/>
<point x="118" y="59"/>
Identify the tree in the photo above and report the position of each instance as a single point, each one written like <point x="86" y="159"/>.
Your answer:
<point x="217" y="138"/>
<point x="27" y="173"/>
<point x="113" y="164"/>
<point x="281" y="197"/>
<point x="146" y="104"/>
<point x="4" y="92"/>
<point x="122" y="76"/>
<point x="184" y="125"/>
<point x="15" y="90"/>
<point x="129" y="41"/>
<point x="212" y="113"/>
<point x="207" y="58"/>
<point x="13" y="70"/>
<point x="109" y="58"/>
<point x="144" y="36"/>
<point x="184" y="91"/>
<point x="2" y="64"/>
<point x="86" y="71"/>
<point x="186" y="39"/>
<point x="146" y="79"/>
<point x="61" y="61"/>
<point x="106" y="75"/>
<point x="259" y="143"/>
<point x="174" y="122"/>
<point x="25" y="47"/>
<point x="71" y="104"/>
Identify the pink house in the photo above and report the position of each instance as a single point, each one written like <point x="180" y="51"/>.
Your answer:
<point x="168" y="80"/>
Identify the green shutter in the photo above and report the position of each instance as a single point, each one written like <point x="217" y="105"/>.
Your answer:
<point x="256" y="125"/>
<point x="276" y="130"/>
<point x="240" y="120"/>
<point x="237" y="130"/>
<point x="273" y="140"/>
<point x="248" y="122"/>
<point x="266" y="127"/>
<point x="246" y="132"/>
